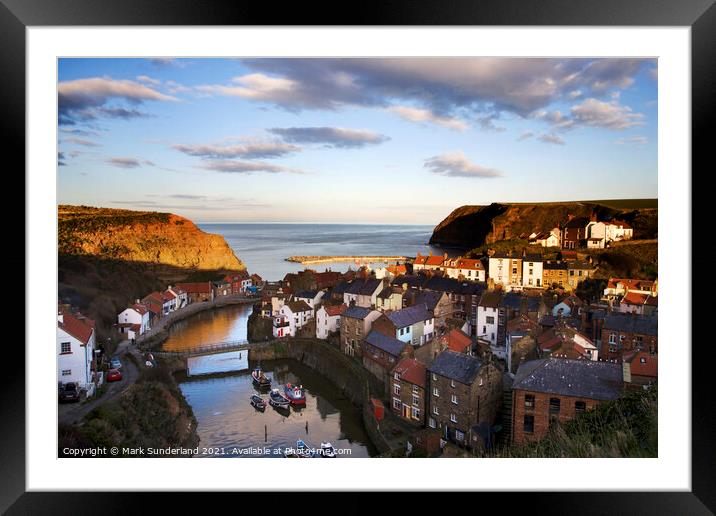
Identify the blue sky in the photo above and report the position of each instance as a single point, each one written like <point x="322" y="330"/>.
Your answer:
<point x="352" y="140"/>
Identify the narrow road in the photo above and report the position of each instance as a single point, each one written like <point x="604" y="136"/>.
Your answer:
<point x="69" y="413"/>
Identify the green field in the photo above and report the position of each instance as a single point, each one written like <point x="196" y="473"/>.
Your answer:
<point x="628" y="204"/>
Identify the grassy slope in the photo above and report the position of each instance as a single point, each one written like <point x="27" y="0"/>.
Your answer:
<point x="626" y="427"/>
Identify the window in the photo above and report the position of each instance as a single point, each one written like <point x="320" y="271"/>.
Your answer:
<point x="452" y="383"/>
<point x="453" y="418"/>
<point x="612" y="338"/>
<point x="396" y="389"/>
<point x="416" y="413"/>
<point x="436" y="392"/>
<point x="416" y="389"/>
<point x="436" y="411"/>
<point x="489" y="320"/>
<point x="529" y="401"/>
<point x="396" y="376"/>
<point x="529" y="424"/>
<point x="453" y="398"/>
<point x="397" y="404"/>
<point x="66" y="372"/>
<point x="65" y="347"/>
<point x="514" y="270"/>
<point x="638" y="342"/>
<point x="459" y="435"/>
<point x="580" y="406"/>
<point x="554" y="404"/>
<point x="431" y="423"/>
<point x="435" y="377"/>
<point x="416" y="400"/>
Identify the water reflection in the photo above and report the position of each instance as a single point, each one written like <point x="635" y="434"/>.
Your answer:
<point x="221" y="403"/>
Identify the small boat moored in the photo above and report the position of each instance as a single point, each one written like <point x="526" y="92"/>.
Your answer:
<point x="295" y="394"/>
<point x="258" y="402"/>
<point x="303" y="450"/>
<point x="278" y="400"/>
<point x="260" y="379"/>
<point x="328" y="451"/>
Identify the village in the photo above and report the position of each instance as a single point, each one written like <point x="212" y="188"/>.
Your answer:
<point x="470" y="351"/>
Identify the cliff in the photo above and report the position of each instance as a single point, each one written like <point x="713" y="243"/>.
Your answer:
<point x="468" y="227"/>
<point x="137" y="236"/>
<point x="107" y="258"/>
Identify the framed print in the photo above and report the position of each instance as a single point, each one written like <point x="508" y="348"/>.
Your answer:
<point x="430" y="235"/>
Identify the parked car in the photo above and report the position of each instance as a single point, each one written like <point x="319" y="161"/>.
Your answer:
<point x="114" y="375"/>
<point x="69" y="393"/>
<point x="115" y="363"/>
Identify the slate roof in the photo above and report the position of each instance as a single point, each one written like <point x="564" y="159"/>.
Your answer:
<point x="390" y="345"/>
<point x="456" y="366"/>
<point x="429" y="298"/>
<point x="411" y="279"/>
<point x="631" y="323"/>
<point x="356" y="312"/>
<point x="370" y="286"/>
<point x="532" y="258"/>
<point x="307" y="294"/>
<point x="567" y="377"/>
<point x="355" y="286"/>
<point x="577" y="222"/>
<point x="340" y="288"/>
<point x="554" y="266"/>
<point x="386" y="293"/>
<point x="517" y="302"/>
<point x="409" y="316"/>
<point x="299" y="306"/>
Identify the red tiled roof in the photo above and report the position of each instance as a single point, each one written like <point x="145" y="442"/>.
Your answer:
<point x="76" y="327"/>
<point x="154" y="296"/>
<point x="396" y="269"/>
<point x="457" y="341"/>
<point x="469" y="263"/>
<point x="635" y="298"/>
<point x="141" y="309"/>
<point x="643" y="364"/>
<point x="548" y="340"/>
<point x="434" y="260"/>
<point x="168" y="296"/>
<point x="136" y="327"/>
<point x="334" y="310"/>
<point x="196" y="288"/>
<point x="631" y="284"/>
<point x="411" y="371"/>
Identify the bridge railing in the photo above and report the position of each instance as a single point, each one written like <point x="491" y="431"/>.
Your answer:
<point x="205" y="349"/>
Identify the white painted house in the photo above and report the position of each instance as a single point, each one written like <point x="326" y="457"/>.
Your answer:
<point x="466" y="268"/>
<point x="134" y="320"/>
<point x="532" y="271"/>
<point x="297" y="313"/>
<point x="488" y="316"/>
<point x="182" y="298"/>
<point x="328" y="320"/>
<point x="75" y="350"/>
<point x="311" y="297"/>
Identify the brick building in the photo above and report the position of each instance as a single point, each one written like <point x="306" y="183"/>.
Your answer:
<point x="623" y="333"/>
<point x="555" y="389"/>
<point x="406" y="389"/>
<point x="640" y="368"/>
<point x="574" y="234"/>
<point x="381" y="353"/>
<point x="198" y="292"/>
<point x="356" y="322"/>
<point x="463" y="391"/>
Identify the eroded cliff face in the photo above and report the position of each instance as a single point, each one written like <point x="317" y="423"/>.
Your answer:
<point x="468" y="227"/>
<point x="135" y="236"/>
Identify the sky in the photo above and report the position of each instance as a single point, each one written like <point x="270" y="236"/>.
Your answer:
<point x="369" y="140"/>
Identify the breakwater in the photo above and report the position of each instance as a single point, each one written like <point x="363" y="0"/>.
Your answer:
<point x="309" y="260"/>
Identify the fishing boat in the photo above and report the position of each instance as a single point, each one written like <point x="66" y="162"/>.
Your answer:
<point x="278" y="400"/>
<point x="260" y="379"/>
<point x="303" y="450"/>
<point x="328" y="451"/>
<point x="258" y="402"/>
<point x="295" y="394"/>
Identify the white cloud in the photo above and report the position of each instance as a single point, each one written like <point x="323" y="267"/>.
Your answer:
<point x="425" y="115"/>
<point x="607" y="115"/>
<point x="245" y="167"/>
<point x="251" y="150"/>
<point x="551" y="138"/>
<point x="456" y="164"/>
<point x="635" y="140"/>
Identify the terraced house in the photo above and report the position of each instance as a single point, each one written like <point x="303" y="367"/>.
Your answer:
<point x="414" y="325"/>
<point x="463" y="392"/>
<point x="356" y="322"/>
<point x="624" y="333"/>
<point x="407" y="390"/>
<point x="381" y="353"/>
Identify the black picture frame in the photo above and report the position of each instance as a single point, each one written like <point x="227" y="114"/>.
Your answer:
<point x="700" y="15"/>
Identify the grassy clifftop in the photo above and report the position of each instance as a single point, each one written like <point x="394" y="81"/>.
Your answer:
<point x="108" y="258"/>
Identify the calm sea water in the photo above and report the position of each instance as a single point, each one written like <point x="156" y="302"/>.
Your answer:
<point x="264" y="247"/>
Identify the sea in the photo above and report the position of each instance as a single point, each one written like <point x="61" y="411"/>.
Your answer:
<point x="265" y="247"/>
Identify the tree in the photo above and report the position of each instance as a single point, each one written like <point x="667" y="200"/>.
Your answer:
<point x="591" y="289"/>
